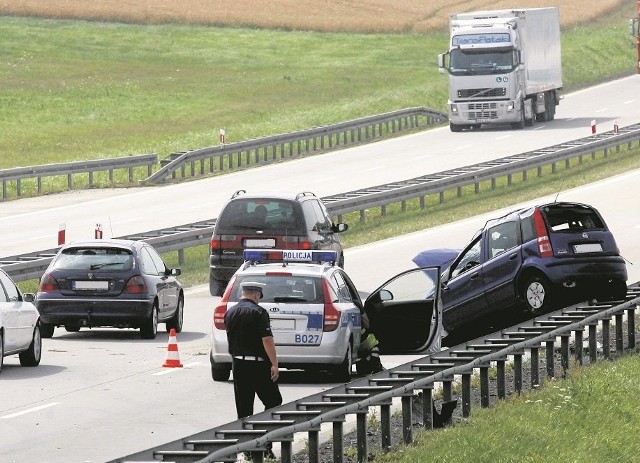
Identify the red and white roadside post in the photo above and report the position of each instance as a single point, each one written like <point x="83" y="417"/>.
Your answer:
<point x="616" y="129"/>
<point x="98" y="231"/>
<point x="593" y="126"/>
<point x="223" y="133"/>
<point x="61" y="233"/>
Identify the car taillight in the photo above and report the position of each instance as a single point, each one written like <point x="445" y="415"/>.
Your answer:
<point x="215" y="242"/>
<point x="544" y="244"/>
<point x="218" y="316"/>
<point x="48" y="284"/>
<point x="296" y="242"/>
<point x="331" y="314"/>
<point x="135" y="285"/>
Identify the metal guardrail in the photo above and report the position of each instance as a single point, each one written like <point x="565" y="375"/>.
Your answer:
<point x="282" y="423"/>
<point x="68" y="169"/>
<point x="32" y="265"/>
<point x="290" y="145"/>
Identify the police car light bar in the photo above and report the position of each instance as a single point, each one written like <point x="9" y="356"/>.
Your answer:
<point x="289" y="255"/>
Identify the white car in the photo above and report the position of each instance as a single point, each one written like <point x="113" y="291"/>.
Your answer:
<point x="316" y="311"/>
<point x="19" y="324"/>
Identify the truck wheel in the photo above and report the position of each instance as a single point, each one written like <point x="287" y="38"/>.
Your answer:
<point x="455" y="127"/>
<point x="532" y="121"/>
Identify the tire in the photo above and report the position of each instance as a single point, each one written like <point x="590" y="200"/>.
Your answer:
<point x="220" y="371"/>
<point x="455" y="127"/>
<point x="1" y="350"/>
<point x="176" y="321"/>
<point x="72" y="328"/>
<point x="31" y="356"/>
<point x="46" y="330"/>
<point x="520" y="124"/>
<point x="342" y="372"/>
<point x="150" y="328"/>
<point x="216" y="287"/>
<point x="531" y="122"/>
<point x="537" y="295"/>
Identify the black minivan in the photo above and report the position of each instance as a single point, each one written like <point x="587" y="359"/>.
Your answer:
<point x="283" y="221"/>
<point x="538" y="257"/>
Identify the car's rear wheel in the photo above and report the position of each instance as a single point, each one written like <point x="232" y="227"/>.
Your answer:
<point x="220" y="371"/>
<point x="343" y="371"/>
<point x="537" y="294"/>
<point x="216" y="287"/>
<point x="150" y="328"/>
<point x="31" y="356"/>
<point x="176" y="321"/>
<point x="46" y="330"/>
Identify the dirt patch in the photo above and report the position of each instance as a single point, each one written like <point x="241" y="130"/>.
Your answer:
<point x="328" y="16"/>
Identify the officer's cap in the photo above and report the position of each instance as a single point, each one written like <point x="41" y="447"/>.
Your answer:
<point x="253" y="286"/>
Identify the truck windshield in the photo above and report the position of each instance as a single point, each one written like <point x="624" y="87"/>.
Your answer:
<point x="471" y="62"/>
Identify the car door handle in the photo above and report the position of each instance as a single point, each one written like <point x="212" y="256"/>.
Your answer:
<point x="474" y="275"/>
<point x="513" y="256"/>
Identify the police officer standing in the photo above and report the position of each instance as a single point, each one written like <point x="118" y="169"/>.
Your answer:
<point x="251" y="345"/>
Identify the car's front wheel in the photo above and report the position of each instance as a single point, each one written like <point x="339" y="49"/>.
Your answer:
<point x="537" y="294"/>
<point x="176" y="321"/>
<point x="220" y="371"/>
<point x="150" y="328"/>
<point x="31" y="356"/>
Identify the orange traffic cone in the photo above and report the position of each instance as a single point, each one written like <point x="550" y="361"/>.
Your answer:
<point x="173" y="358"/>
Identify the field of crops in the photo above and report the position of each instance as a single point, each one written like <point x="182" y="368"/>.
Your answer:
<point x="318" y="15"/>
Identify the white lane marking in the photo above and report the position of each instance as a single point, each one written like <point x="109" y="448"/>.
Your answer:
<point x="629" y="101"/>
<point x="376" y="168"/>
<point x="170" y="370"/>
<point x="503" y="137"/>
<point x="602" y="110"/>
<point x="30" y="410"/>
<point x="464" y="147"/>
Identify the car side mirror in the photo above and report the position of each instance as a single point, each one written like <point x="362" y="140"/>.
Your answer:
<point x="28" y="297"/>
<point x="340" y="227"/>
<point x="175" y="272"/>
<point x="386" y="295"/>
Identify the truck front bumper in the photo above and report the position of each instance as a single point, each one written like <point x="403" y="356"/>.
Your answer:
<point x="483" y="112"/>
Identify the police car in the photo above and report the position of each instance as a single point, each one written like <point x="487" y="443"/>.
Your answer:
<point x="316" y="311"/>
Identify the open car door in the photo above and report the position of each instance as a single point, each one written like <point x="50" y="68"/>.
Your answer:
<point x="405" y="313"/>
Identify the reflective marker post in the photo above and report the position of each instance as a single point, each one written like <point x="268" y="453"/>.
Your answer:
<point x="61" y="233"/>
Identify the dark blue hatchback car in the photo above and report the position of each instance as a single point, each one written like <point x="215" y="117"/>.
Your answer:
<point x="538" y="257"/>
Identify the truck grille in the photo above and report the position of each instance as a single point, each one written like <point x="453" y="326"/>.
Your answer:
<point x="482" y="111"/>
<point x="481" y="92"/>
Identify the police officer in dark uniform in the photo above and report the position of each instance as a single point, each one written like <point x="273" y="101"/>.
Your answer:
<point x="251" y="345"/>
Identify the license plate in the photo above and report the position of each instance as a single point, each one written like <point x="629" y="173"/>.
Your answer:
<point x="588" y="247"/>
<point x="283" y="324"/>
<point x="260" y="243"/>
<point x="90" y="285"/>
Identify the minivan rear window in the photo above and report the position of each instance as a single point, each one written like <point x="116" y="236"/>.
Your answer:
<point x="572" y="218"/>
<point x="244" y="215"/>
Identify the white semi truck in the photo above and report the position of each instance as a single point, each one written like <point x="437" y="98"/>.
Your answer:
<point x="504" y="67"/>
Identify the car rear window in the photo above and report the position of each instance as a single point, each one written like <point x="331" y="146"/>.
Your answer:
<point x="246" y="215"/>
<point x="572" y="218"/>
<point x="283" y="288"/>
<point x="94" y="258"/>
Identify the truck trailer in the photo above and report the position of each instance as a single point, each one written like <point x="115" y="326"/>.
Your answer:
<point x="504" y="67"/>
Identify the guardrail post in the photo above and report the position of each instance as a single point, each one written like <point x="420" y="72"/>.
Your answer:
<point x="314" y="446"/>
<point x="535" y="366"/>
<point x="407" y="418"/>
<point x="361" y="433"/>
<point x="385" y="426"/>
<point x="337" y="441"/>
<point x="501" y="378"/>
<point x="593" y="343"/>
<point x="631" y="328"/>
<point x="564" y="353"/>
<point x="619" y="335"/>
<point x="517" y="372"/>
<point x="466" y="395"/>
<point x="606" y="338"/>
<point x="484" y="386"/>
<point x="427" y="408"/>
<point x="551" y="362"/>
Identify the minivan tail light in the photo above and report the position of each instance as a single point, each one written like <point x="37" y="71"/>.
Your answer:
<point x="331" y="313"/>
<point x="218" y="316"/>
<point x="135" y="285"/>
<point x="544" y="244"/>
<point x="296" y="242"/>
<point x="48" y="284"/>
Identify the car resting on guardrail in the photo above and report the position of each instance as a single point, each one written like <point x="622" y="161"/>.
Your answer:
<point x="538" y="257"/>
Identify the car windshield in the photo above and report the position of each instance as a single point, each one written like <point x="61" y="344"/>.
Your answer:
<point x="283" y="288"/>
<point x="94" y="258"/>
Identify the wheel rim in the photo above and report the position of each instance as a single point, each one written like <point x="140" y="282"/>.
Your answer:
<point x="180" y="312"/>
<point x="37" y="344"/>
<point x="154" y="322"/>
<point x="535" y="295"/>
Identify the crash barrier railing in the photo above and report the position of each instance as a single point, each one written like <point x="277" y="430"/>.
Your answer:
<point x="294" y="144"/>
<point x="32" y="265"/>
<point x="446" y="367"/>
<point x="69" y="169"/>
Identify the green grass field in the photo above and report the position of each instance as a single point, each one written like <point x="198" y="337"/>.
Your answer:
<point x="84" y="90"/>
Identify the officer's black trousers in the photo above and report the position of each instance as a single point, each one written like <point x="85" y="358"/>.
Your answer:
<point x="250" y="378"/>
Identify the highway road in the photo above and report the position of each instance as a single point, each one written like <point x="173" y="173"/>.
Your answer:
<point x="32" y="224"/>
<point x="100" y="394"/>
